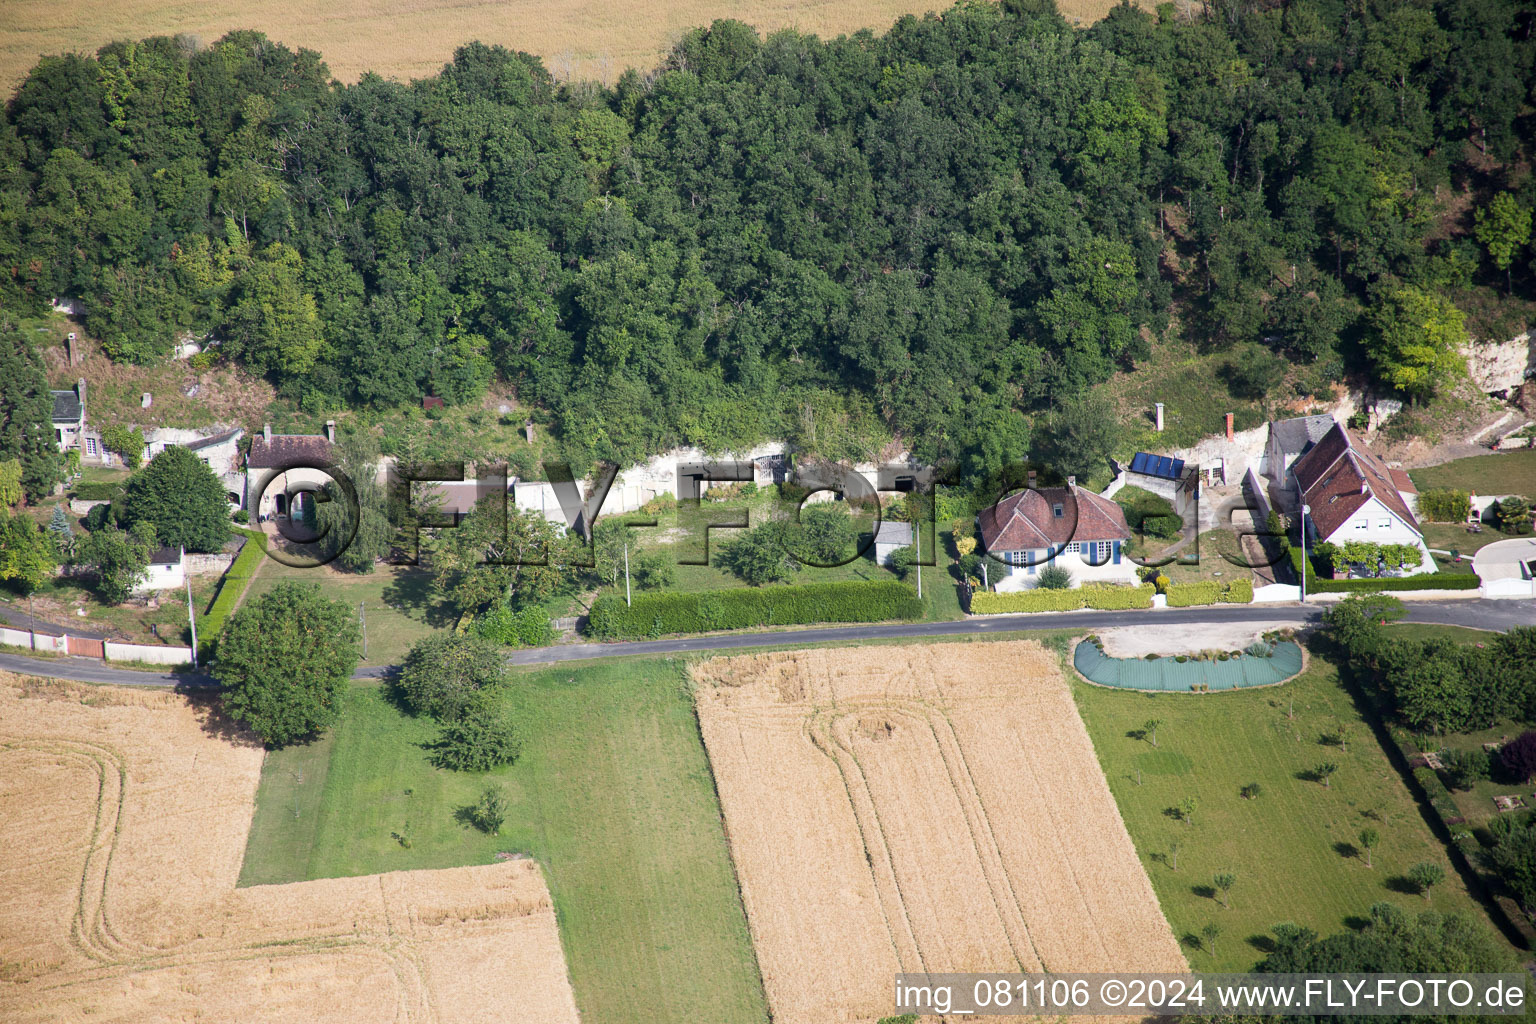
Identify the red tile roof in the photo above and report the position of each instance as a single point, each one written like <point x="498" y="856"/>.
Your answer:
<point x="1027" y="521"/>
<point x="286" y="451"/>
<point x="1340" y="474"/>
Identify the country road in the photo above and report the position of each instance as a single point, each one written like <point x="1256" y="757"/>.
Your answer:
<point x="1494" y="615"/>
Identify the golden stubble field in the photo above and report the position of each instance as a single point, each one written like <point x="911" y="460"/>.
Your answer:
<point x="407" y="39"/>
<point x="126" y="815"/>
<point x="924" y="808"/>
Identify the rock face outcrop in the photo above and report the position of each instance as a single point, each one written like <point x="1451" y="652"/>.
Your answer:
<point x="1501" y="365"/>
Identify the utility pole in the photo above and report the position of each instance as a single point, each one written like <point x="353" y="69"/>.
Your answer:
<point x="627" y="601"/>
<point x="917" y="549"/>
<point x="191" y="618"/>
<point x="31" y="622"/>
<point x="362" y="617"/>
<point x="1304" y="563"/>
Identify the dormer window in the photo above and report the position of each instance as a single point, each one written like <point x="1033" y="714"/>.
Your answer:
<point x="1057" y="511"/>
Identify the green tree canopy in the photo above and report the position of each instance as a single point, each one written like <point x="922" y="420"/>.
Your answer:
<point x="26" y="414"/>
<point x="28" y="555"/>
<point x="118" y="558"/>
<point x="1417" y="341"/>
<point x="446" y="674"/>
<point x="284" y="660"/>
<point x="179" y="495"/>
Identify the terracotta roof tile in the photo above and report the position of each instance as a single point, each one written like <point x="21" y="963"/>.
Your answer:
<point x="1028" y="521"/>
<point x="1340" y="475"/>
<point x="286" y="451"/>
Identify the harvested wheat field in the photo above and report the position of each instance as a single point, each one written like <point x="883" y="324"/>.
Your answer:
<point x="126" y="816"/>
<point x="576" y="38"/>
<point x="922" y="808"/>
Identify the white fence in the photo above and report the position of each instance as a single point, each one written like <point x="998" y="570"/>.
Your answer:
<point x="1276" y="592"/>
<point x="155" y="655"/>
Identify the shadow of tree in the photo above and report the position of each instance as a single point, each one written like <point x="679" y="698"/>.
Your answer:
<point x="212" y="719"/>
<point x="1346" y="850"/>
<point x="411" y="591"/>
<point x="1204" y="891"/>
<point x="1403" y="884"/>
<point x="1262" y="943"/>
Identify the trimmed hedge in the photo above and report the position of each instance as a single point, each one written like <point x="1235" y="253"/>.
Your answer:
<point x="236" y="579"/>
<point x="1444" y="505"/>
<point x="1103" y="598"/>
<point x="1185" y="595"/>
<point x="1423" y="581"/>
<point x="657" y="614"/>
<point x="100" y="490"/>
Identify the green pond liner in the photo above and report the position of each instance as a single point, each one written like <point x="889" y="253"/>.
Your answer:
<point x="1168" y="673"/>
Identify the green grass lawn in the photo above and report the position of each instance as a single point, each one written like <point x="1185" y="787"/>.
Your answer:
<point x="612" y="795"/>
<point x="398" y="603"/>
<point x="1295" y="849"/>
<point x="1499" y="473"/>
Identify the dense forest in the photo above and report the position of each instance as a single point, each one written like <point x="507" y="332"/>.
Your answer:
<point x="935" y="234"/>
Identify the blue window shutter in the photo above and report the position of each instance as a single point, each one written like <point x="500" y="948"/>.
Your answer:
<point x="1117" y="552"/>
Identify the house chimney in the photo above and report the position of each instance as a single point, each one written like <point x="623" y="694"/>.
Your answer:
<point x="266" y="432"/>
<point x="1229" y="426"/>
<point x="69" y="348"/>
<point x="330" y="431"/>
<point x="1072" y="483"/>
<point x="1031" y="479"/>
<point x="1159" y="417"/>
<point x="80" y="392"/>
<point x="528" y="430"/>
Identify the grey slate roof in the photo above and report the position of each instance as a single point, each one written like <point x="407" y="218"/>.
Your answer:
<point x="1295" y="436"/>
<point x="893" y="533"/>
<point x="66" y="407"/>
<point x="214" y="439"/>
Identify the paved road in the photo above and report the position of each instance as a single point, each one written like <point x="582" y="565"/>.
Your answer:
<point x="1498" y="615"/>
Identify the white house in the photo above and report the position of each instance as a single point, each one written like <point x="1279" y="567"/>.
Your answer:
<point x="1353" y="496"/>
<point x="1076" y="529"/>
<point x="167" y="569"/>
<point x="890" y="538"/>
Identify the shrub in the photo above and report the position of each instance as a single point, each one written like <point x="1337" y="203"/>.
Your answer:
<point x="127" y="442"/>
<point x="1464" y="768"/>
<point x="656" y="614"/>
<point x="759" y="556"/>
<point x="1444" y="505"/>
<point x="1185" y="595"/>
<point x="1055" y="577"/>
<point x="1250" y="791"/>
<point x="1513" y="514"/>
<point x="240" y="515"/>
<point x="1424" y="581"/>
<point x="1105" y="598"/>
<point x="490" y="811"/>
<point x="483" y="739"/>
<point x="1518" y="756"/>
<point x="447" y="674"/>
<point x="529" y="627"/>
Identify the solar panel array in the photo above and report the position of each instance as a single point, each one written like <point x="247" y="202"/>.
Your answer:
<point x="1163" y="466"/>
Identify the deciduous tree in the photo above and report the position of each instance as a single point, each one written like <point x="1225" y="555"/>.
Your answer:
<point x="284" y="661"/>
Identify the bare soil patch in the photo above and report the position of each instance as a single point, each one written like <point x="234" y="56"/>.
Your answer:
<point x="127" y="814"/>
<point x="919" y="808"/>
